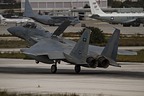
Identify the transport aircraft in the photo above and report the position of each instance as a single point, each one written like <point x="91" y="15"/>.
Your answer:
<point x="46" y="19"/>
<point x="126" y="19"/>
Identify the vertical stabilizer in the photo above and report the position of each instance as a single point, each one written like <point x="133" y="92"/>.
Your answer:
<point x="79" y="53"/>
<point x="111" y="48"/>
<point x="81" y="48"/>
<point x="28" y="12"/>
<point x="95" y="9"/>
<point x="1" y="17"/>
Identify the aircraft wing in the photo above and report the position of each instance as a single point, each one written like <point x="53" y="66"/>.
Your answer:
<point x="56" y="49"/>
<point x="52" y="48"/>
<point x="129" y="21"/>
<point x="99" y="50"/>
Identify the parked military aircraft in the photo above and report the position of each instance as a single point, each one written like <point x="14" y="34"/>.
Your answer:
<point x="46" y="19"/>
<point x="51" y="48"/>
<point x="32" y="32"/>
<point x="4" y="21"/>
<point x="126" y="19"/>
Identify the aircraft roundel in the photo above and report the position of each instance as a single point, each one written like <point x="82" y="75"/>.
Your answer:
<point x="84" y="39"/>
<point x="112" y="18"/>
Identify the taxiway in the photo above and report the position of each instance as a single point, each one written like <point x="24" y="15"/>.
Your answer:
<point x="105" y="27"/>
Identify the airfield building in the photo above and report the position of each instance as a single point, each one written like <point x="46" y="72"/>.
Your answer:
<point x="48" y="5"/>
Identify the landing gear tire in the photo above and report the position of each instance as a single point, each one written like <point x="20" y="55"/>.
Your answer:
<point x="77" y="68"/>
<point x="136" y="25"/>
<point x="53" y="69"/>
<point x="126" y="25"/>
<point x="37" y="62"/>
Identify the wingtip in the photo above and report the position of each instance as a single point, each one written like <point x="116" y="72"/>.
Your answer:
<point x="116" y="29"/>
<point x="87" y="30"/>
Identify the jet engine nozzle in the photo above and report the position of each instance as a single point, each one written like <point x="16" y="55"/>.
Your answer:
<point x="103" y="62"/>
<point x="92" y="62"/>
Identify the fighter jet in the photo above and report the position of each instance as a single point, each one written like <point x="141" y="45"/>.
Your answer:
<point x="51" y="48"/>
<point x="33" y="32"/>
<point x="126" y="19"/>
<point x="46" y="19"/>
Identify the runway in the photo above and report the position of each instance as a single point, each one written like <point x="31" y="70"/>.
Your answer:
<point x="25" y="76"/>
<point x="109" y="28"/>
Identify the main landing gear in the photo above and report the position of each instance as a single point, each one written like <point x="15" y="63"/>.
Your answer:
<point x="54" y="67"/>
<point x="77" y="68"/>
<point x="36" y="62"/>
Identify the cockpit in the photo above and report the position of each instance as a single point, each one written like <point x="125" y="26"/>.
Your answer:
<point x="33" y="25"/>
<point x="30" y="25"/>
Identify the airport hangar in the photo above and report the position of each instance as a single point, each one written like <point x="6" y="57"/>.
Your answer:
<point x="74" y="6"/>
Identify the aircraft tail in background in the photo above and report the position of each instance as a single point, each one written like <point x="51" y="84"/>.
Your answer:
<point x="1" y="17"/>
<point x="95" y="9"/>
<point x="28" y="12"/>
<point x="2" y="20"/>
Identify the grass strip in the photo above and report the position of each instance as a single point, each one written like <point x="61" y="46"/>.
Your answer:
<point x="121" y="58"/>
<point x="13" y="44"/>
<point x="6" y="93"/>
<point x="124" y="41"/>
<point x="14" y="55"/>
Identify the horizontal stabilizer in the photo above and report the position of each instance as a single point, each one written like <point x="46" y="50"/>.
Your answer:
<point x="125" y="52"/>
<point x="113" y="63"/>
